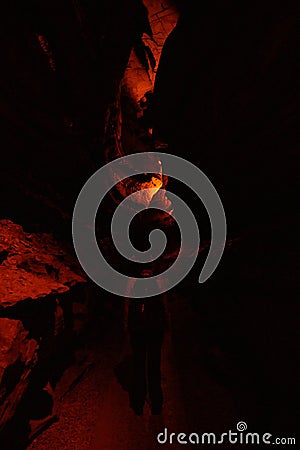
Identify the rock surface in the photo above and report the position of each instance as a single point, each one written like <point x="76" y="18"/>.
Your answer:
<point x="18" y="357"/>
<point x="39" y="280"/>
<point x="33" y="265"/>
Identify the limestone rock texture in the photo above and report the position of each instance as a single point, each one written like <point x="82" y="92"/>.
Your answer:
<point x="33" y="266"/>
<point x="39" y="282"/>
<point x="18" y="357"/>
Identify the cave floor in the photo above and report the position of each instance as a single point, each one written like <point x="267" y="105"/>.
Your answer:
<point x="95" y="413"/>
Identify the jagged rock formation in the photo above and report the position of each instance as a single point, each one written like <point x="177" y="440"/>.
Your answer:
<point x="33" y="266"/>
<point x="125" y="131"/>
<point x="39" y="279"/>
<point x="65" y="64"/>
<point x="80" y="86"/>
<point x="139" y="77"/>
<point x="18" y="357"/>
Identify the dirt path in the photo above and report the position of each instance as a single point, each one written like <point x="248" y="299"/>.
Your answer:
<point x="119" y="428"/>
<point x="96" y="415"/>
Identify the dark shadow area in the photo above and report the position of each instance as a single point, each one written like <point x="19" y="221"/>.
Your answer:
<point x="225" y="99"/>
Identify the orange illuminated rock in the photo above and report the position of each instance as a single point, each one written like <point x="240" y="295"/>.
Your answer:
<point x="18" y="356"/>
<point x="33" y="265"/>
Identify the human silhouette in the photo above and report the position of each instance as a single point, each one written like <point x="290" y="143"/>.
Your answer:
<point x="147" y="323"/>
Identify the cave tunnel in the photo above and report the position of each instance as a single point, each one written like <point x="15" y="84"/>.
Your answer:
<point x="84" y="83"/>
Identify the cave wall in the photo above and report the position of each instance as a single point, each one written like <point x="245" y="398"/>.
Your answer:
<point x="62" y="65"/>
<point x="225" y="99"/>
<point x="43" y="293"/>
<point x="66" y="66"/>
